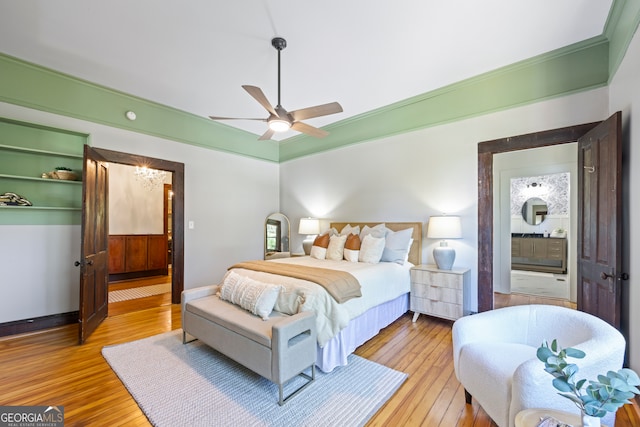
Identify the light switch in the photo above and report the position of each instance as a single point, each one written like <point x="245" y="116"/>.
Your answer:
<point x="192" y="225"/>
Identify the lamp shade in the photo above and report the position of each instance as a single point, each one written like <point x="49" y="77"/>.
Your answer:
<point x="444" y="227"/>
<point x="309" y="226"/>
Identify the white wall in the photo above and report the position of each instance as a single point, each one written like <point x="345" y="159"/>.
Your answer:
<point x="412" y="176"/>
<point x="133" y="208"/>
<point x="624" y="96"/>
<point x="226" y="196"/>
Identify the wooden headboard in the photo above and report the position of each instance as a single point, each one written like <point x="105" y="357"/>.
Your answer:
<point x="415" y="253"/>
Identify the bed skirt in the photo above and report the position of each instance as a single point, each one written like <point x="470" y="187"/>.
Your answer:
<point x="360" y="330"/>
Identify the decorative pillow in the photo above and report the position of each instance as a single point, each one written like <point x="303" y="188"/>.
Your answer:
<point x="289" y="301"/>
<point x="320" y="245"/>
<point x="396" y="246"/>
<point x="352" y="248"/>
<point x="335" y="251"/>
<point x="371" y="249"/>
<point x="257" y="297"/>
<point x="378" y="231"/>
<point x="348" y="229"/>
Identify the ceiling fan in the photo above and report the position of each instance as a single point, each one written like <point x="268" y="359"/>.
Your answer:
<point x="281" y="120"/>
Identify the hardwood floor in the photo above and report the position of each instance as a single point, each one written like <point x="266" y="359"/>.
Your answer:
<point x="121" y="307"/>
<point x="49" y="368"/>
<point x="507" y="300"/>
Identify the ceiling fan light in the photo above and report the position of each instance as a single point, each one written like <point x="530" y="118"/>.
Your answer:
<point x="279" y="125"/>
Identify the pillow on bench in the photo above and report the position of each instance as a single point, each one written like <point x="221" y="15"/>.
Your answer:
<point x="257" y="297"/>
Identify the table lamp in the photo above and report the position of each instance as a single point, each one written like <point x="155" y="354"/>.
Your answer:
<point x="310" y="227"/>
<point x="444" y="227"/>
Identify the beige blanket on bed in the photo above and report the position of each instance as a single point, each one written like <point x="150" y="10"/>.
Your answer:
<point x="342" y="286"/>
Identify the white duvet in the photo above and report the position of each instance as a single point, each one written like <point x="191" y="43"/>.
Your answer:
<point x="380" y="282"/>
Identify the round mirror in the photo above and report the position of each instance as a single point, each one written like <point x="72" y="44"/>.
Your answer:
<point x="276" y="236"/>
<point x="534" y="211"/>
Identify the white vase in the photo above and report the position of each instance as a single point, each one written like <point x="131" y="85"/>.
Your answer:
<point x="589" y="421"/>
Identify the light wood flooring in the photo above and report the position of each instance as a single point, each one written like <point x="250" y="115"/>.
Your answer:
<point x="49" y="368"/>
<point x="117" y="308"/>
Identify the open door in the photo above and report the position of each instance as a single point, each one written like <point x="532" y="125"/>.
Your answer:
<point x="600" y="221"/>
<point x="94" y="275"/>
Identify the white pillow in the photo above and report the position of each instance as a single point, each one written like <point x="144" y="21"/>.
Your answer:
<point x="318" y="252"/>
<point x="348" y="229"/>
<point x="371" y="249"/>
<point x="335" y="251"/>
<point x="396" y="247"/>
<point x="257" y="297"/>
<point x="378" y="231"/>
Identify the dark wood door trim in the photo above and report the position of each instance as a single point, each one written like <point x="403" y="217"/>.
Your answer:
<point x="177" y="185"/>
<point x="486" y="150"/>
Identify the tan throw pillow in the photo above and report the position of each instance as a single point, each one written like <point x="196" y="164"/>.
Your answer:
<point x="322" y="241"/>
<point x="320" y="245"/>
<point x="352" y="248"/>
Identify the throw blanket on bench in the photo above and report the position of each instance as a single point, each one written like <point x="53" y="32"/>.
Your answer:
<point x="342" y="286"/>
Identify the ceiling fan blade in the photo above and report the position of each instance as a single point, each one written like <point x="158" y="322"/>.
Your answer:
<point x="235" y="118"/>
<point x="259" y="96"/>
<point x="267" y="135"/>
<point x="317" y="111"/>
<point x="309" y="130"/>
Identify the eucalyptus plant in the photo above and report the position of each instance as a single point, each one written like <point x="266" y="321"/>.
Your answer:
<point x="607" y="394"/>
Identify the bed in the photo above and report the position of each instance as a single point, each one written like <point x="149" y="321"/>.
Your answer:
<point x="342" y="327"/>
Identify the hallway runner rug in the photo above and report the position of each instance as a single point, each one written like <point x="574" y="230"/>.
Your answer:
<point x="191" y="384"/>
<point x="140" y="292"/>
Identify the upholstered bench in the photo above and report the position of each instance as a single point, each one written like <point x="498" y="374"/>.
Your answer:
<point x="279" y="348"/>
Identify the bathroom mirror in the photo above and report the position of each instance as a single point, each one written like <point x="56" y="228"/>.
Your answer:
<point x="534" y="211"/>
<point x="276" y="236"/>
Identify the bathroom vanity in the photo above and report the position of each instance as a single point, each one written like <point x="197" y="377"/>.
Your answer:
<point x="534" y="252"/>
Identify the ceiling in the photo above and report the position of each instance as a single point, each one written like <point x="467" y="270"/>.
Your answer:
<point x="194" y="55"/>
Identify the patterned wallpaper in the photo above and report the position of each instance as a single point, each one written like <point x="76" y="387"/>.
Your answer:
<point x="554" y="190"/>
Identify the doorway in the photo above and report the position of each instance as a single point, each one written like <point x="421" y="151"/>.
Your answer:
<point x="175" y="220"/>
<point x="535" y="258"/>
<point x="486" y="200"/>
<point x="139" y="212"/>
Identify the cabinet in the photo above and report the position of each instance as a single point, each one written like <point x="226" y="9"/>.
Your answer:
<point x="137" y="255"/>
<point x="26" y="152"/>
<point x="440" y="293"/>
<point x="545" y="254"/>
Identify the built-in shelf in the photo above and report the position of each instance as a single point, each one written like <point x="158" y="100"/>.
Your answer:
<point x="40" y="152"/>
<point x="27" y="152"/>
<point x="31" y="178"/>
<point x="42" y="208"/>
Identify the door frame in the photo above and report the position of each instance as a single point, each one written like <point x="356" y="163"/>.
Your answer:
<point x="177" y="183"/>
<point x="486" y="151"/>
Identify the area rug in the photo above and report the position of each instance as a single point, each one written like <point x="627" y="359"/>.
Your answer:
<point x="541" y="284"/>
<point x="140" y="292"/>
<point x="193" y="385"/>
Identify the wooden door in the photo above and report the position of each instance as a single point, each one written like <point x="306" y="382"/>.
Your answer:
<point x="94" y="275"/>
<point x="600" y="221"/>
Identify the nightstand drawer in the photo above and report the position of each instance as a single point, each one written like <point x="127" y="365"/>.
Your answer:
<point x="436" y="308"/>
<point x="437" y="293"/>
<point x="454" y="281"/>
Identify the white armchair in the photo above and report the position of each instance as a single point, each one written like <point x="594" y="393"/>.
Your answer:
<point x="494" y="355"/>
